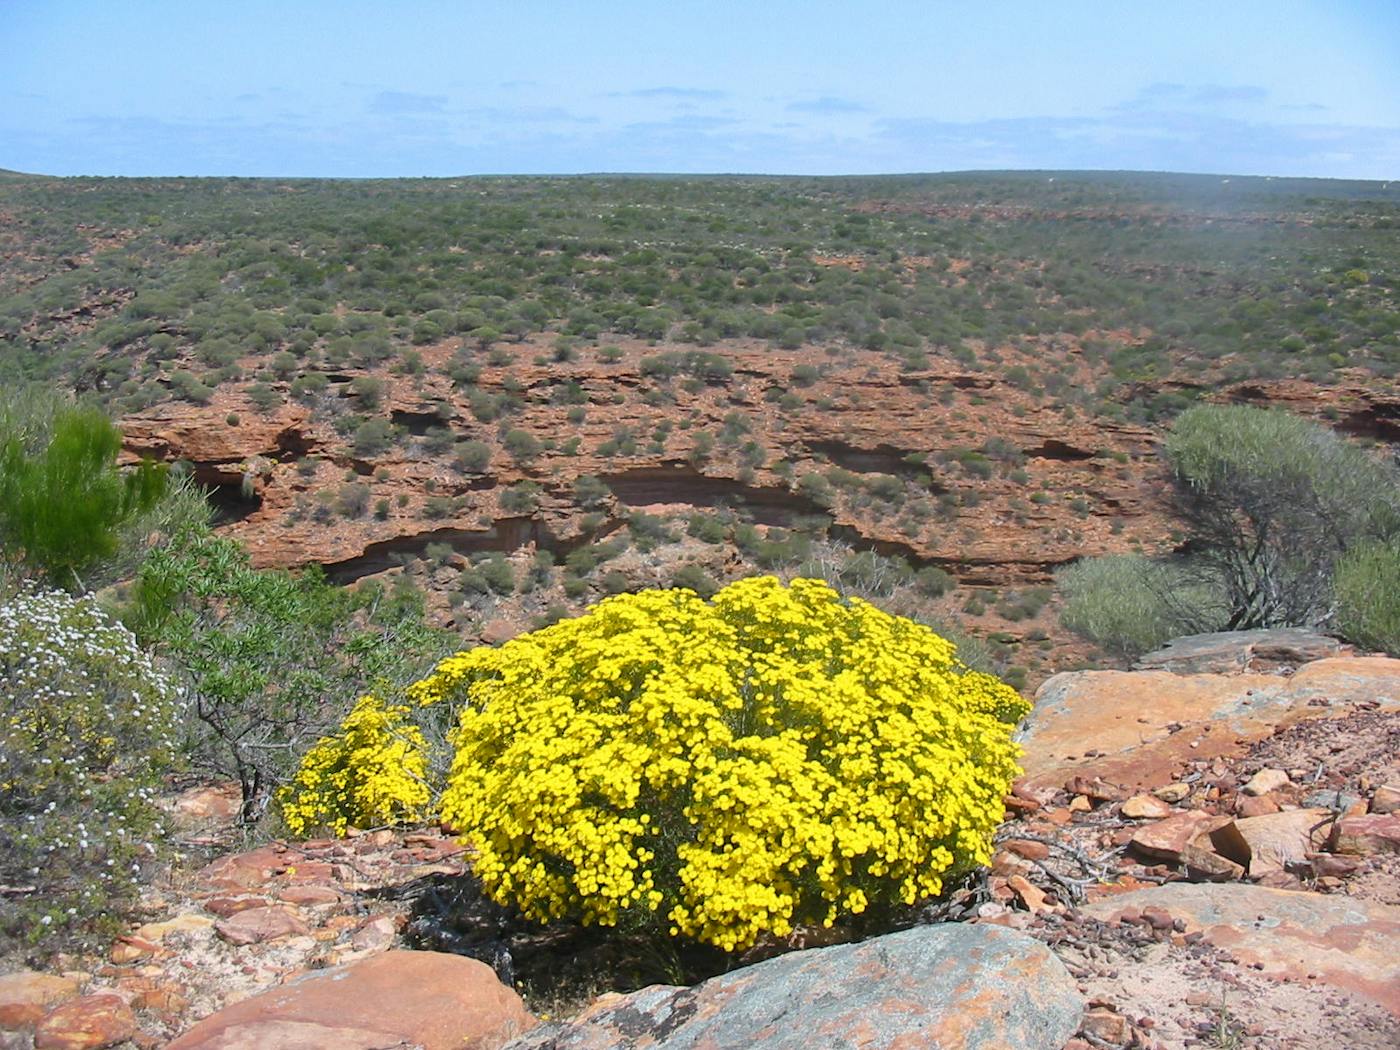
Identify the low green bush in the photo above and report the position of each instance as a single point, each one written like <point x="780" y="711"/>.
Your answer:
<point x="1130" y="604"/>
<point x="1368" y="596"/>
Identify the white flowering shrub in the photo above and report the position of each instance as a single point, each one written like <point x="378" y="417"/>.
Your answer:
<point x="88" y="727"/>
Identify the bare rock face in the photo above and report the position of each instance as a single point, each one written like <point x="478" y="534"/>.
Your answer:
<point x="88" y="1023"/>
<point x="399" y="998"/>
<point x="27" y="995"/>
<point x="1081" y="458"/>
<point x="220" y="451"/>
<point x="1138" y="728"/>
<point x="929" y="987"/>
<point x="1347" y="943"/>
<point x="205" y="807"/>
<point x="1368" y="833"/>
<point x="1232" y="652"/>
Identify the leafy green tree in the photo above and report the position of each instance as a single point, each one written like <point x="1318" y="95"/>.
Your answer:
<point x="63" y="499"/>
<point x="1289" y="525"/>
<point x="1271" y="502"/>
<point x="271" y="659"/>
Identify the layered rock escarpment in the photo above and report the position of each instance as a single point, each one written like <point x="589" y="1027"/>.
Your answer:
<point x="943" y="466"/>
<point x="948" y="466"/>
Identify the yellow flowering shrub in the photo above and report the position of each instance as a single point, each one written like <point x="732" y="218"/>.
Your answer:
<point x="775" y="756"/>
<point x="373" y="771"/>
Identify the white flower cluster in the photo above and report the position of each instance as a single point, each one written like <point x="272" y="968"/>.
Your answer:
<point x="88" y="727"/>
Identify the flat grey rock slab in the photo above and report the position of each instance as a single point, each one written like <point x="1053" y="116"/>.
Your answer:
<point x="1234" y="652"/>
<point x="936" y="987"/>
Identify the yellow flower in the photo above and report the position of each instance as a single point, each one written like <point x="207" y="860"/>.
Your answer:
<point x="374" y="771"/>
<point x="774" y="756"/>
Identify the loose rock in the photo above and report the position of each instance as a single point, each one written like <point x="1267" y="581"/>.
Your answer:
<point x="256" y="925"/>
<point x="1146" y="807"/>
<point x="1278" y="840"/>
<point x="429" y="999"/>
<point x="26" y="996"/>
<point x="1265" y="781"/>
<point x="87" y="1023"/>
<point x="1285" y="934"/>
<point x="1368" y="834"/>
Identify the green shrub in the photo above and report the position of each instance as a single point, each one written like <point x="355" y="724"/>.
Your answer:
<point x="1271" y="502"/>
<point x="933" y="582"/>
<point x="498" y="573"/>
<point x="1129" y="604"/>
<point x="1368" y="596"/>
<point x="473" y="457"/>
<point x="353" y="499"/>
<point x="270" y="660"/>
<point x="522" y="445"/>
<point x="88" y="728"/>
<point x="693" y="577"/>
<point x="707" y="528"/>
<point x="591" y="492"/>
<point x="521" y="498"/>
<point x="873" y="573"/>
<point x="63" y="502"/>
<point x="615" y="581"/>
<point x="373" y="437"/>
<point x="368" y="391"/>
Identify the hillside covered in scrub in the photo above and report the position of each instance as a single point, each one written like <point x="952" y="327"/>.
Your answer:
<point x="546" y="613"/>
<point x="526" y="393"/>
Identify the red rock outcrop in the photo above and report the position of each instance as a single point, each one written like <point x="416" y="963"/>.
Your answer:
<point x="1138" y="728"/>
<point x="1301" y="936"/>
<point x="426" y="999"/>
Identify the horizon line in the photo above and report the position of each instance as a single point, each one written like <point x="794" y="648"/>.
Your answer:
<point x="11" y="172"/>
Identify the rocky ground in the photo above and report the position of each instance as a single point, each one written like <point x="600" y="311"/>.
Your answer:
<point x="1221" y="868"/>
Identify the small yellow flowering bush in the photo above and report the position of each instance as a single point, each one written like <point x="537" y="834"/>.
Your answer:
<point x="374" y="771"/>
<point x="723" y="769"/>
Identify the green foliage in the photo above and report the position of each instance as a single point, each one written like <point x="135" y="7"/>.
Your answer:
<point x="368" y="392"/>
<point x="498" y="574"/>
<point x="1368" y="595"/>
<point x="63" y="501"/>
<point x="598" y="257"/>
<point x="1272" y="501"/>
<point x="88" y="729"/>
<point x="591" y="492"/>
<point x="270" y="659"/>
<point x="1276" y="506"/>
<point x="521" y="498"/>
<point x="373" y="437"/>
<point x="523" y="446"/>
<point x="473" y="457"/>
<point x="1129" y="604"/>
<point x="933" y="582"/>
<point x="695" y="578"/>
<point x="709" y="367"/>
<point x="874" y="574"/>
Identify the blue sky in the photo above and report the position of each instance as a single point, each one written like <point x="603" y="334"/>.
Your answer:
<point x="410" y="88"/>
